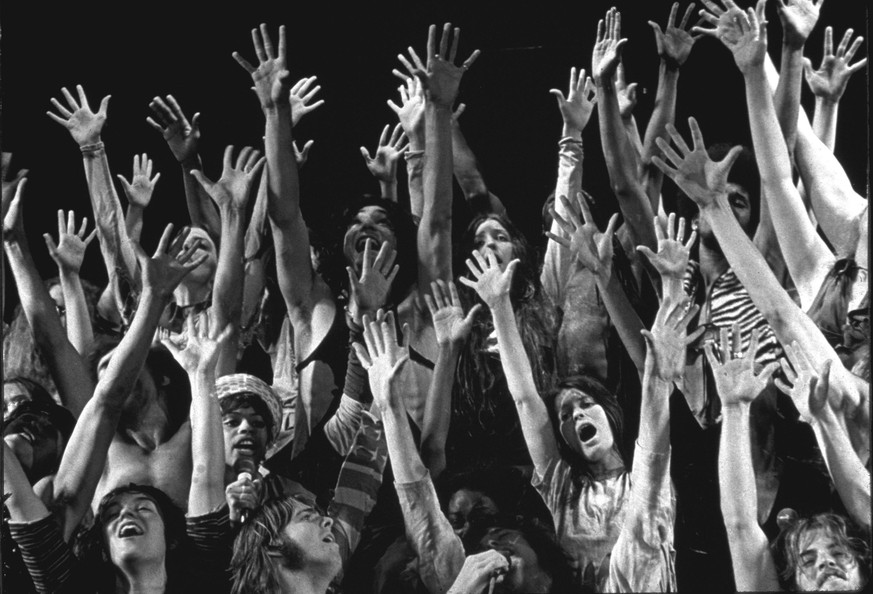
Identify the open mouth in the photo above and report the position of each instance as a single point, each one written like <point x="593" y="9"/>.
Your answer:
<point x="361" y="243"/>
<point x="329" y="538"/>
<point x="245" y="446"/>
<point x="129" y="529"/>
<point x="587" y="432"/>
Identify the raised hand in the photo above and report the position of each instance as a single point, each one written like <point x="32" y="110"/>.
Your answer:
<point x="383" y="356"/>
<point x="668" y="339"/>
<point x="141" y="185"/>
<point x="800" y="375"/>
<point x="171" y="262"/>
<point x="13" y="220"/>
<point x="798" y="19"/>
<point x="302" y="156"/>
<point x="181" y="135"/>
<point x="626" y="93"/>
<point x="449" y="323"/>
<point x="607" y="49"/>
<point x="300" y="97"/>
<point x="701" y="178"/>
<point x="750" y="48"/>
<point x="490" y="283"/>
<point x="410" y="112"/>
<point x="8" y="181"/>
<point x="384" y="165"/>
<point x="234" y="187"/>
<point x="478" y="570"/>
<point x="830" y="80"/>
<point x="577" y="106"/>
<point x="734" y="374"/>
<point x="592" y="248"/>
<point x="271" y="77"/>
<point x="369" y="291"/>
<point x="442" y="78"/>
<point x="723" y="20"/>
<point x="675" y="42"/>
<point x="83" y="124"/>
<point x="203" y="344"/>
<point x="672" y="257"/>
<point x="69" y="252"/>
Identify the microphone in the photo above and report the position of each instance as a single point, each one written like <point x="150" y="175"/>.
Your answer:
<point x="242" y="467"/>
<point x="492" y="581"/>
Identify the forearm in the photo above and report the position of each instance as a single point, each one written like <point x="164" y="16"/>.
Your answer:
<point x="787" y="97"/>
<point x="414" y="171"/>
<point x="22" y="503"/>
<point x="435" y="228"/>
<point x="663" y="113"/>
<point x="466" y="170"/>
<point x="79" y="329"/>
<point x="200" y="206"/>
<point x="438" y="410"/>
<point x="654" y="436"/>
<point x="133" y="221"/>
<point x="388" y="189"/>
<point x="65" y="364"/>
<point x="824" y="121"/>
<point x="207" y="446"/>
<point x="406" y="462"/>
<point x="118" y="253"/>
<point x="625" y="318"/>
<point x="227" y="297"/>
<point x="851" y="478"/>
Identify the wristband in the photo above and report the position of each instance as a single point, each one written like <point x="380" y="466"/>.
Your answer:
<point x="412" y="155"/>
<point x="90" y="148"/>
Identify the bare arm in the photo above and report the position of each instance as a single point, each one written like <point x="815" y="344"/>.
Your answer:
<point x="383" y="166"/>
<point x="410" y="112"/>
<point x="139" y="193"/>
<point x="466" y="170"/>
<point x="492" y="285"/>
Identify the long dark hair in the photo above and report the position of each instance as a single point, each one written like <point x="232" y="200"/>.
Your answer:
<point x="478" y="372"/>
<point x="92" y="551"/>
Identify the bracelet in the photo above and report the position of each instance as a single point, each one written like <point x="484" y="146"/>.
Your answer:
<point x="412" y="154"/>
<point x="90" y="148"/>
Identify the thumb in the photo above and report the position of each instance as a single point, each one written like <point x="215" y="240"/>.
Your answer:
<point x="366" y="154"/>
<point x="201" y="179"/>
<point x="124" y="183"/>
<point x="472" y="313"/>
<point x="195" y="121"/>
<point x="728" y="162"/>
<point x="646" y="251"/>
<point x="459" y="111"/>
<point x="50" y="243"/>
<point x="807" y="68"/>
<point x="104" y="105"/>
<point x="559" y="95"/>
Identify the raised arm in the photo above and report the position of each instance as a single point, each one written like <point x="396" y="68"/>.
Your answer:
<point x="738" y="386"/>
<point x="65" y="364"/>
<point x="828" y="83"/>
<point x="383" y="166"/>
<point x="410" y="112"/>
<point x="809" y="390"/>
<point x="623" y="175"/>
<point x="231" y="194"/>
<point x="301" y="97"/>
<point x="674" y="44"/>
<point x="466" y="170"/>
<point x="86" y="452"/>
<point x="183" y="138"/>
<point x="493" y="286"/>
<point x="452" y="329"/>
<point x="594" y="250"/>
<point x="705" y="182"/>
<point x="440" y="82"/>
<point x="139" y="194"/>
<point x="68" y="254"/>
<point x="85" y="127"/>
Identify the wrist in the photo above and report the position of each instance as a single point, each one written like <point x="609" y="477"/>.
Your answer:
<point x="734" y="407"/>
<point x="68" y="275"/>
<point x="192" y="162"/>
<point x="669" y="66"/>
<point x="792" y="44"/>
<point x="826" y="102"/>
<point x="569" y="131"/>
<point x="92" y="147"/>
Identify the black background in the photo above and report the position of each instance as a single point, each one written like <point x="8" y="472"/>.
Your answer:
<point x="135" y="51"/>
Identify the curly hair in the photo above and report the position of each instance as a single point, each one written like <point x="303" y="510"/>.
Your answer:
<point x="478" y="372"/>
<point x="90" y="547"/>
<point x="786" y="547"/>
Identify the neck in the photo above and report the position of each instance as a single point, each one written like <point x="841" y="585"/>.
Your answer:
<point x="190" y="293"/>
<point x="712" y="264"/>
<point x="140" y="577"/>
<point x="302" y="582"/>
<point x="607" y="465"/>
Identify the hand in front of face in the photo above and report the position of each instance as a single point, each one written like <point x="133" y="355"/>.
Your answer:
<point x="492" y="284"/>
<point x="370" y="290"/>
<point x="478" y="570"/>
<point x="171" y="262"/>
<point x="735" y="377"/>
<point x="449" y="323"/>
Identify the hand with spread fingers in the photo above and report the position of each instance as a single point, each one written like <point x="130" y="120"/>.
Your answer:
<point x="181" y="135"/>
<point x="141" y="185"/>
<point x="701" y="178"/>
<point x="234" y="187"/>
<point x="592" y="248"/>
<point x="578" y="105"/>
<point x="410" y="112"/>
<point x="734" y="371"/>
<point x="270" y="76"/>
<point x="203" y="343"/>
<point x="382" y="356"/>
<point x="449" y="322"/>
<point x="69" y="252"/>
<point x="668" y="339"/>
<point x="383" y="166"/>
<point x="675" y="42"/>
<point x="492" y="284"/>
<point x="607" y="49"/>
<point x="370" y="289"/>
<point x="672" y="257"/>
<point x="301" y="156"/>
<point x="441" y="78"/>
<point x="13" y="219"/>
<point x="83" y="124"/>
<point x="9" y="181"/>
<point x="798" y="18"/>
<point x="829" y="81"/>
<point x="301" y="96"/>
<point x="171" y="262"/>
<point x="626" y="93"/>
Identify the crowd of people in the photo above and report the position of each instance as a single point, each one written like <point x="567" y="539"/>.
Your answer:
<point x="670" y="393"/>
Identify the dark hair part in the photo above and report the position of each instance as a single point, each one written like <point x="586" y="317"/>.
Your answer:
<point x="38" y="393"/>
<point x="332" y="258"/>
<point x="253" y="401"/>
<point x="541" y="538"/>
<point x="786" y="547"/>
<point x="606" y="399"/>
<point x="257" y="544"/>
<point x="478" y="371"/>
<point x="92" y="550"/>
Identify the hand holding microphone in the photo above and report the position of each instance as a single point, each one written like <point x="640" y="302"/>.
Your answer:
<point x="244" y="494"/>
<point x="481" y="571"/>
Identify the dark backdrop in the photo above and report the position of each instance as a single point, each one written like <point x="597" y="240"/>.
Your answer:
<point x="137" y="50"/>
